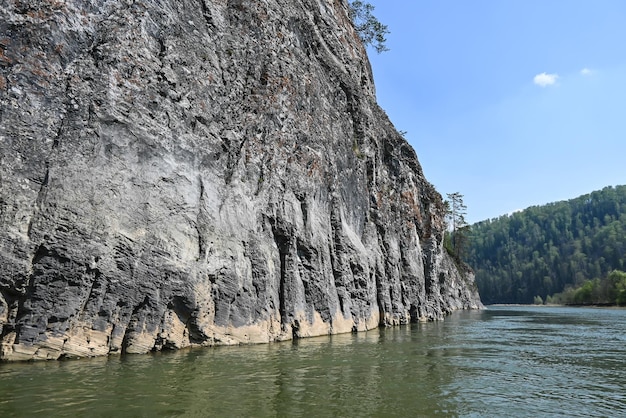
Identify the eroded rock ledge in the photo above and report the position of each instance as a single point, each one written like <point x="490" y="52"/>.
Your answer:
<point x="199" y="172"/>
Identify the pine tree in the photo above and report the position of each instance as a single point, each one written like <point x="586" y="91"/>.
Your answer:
<point x="456" y="211"/>
<point x="369" y="28"/>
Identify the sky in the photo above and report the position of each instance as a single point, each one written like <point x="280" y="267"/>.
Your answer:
<point x="512" y="103"/>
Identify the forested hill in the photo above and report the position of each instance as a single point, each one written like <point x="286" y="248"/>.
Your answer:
<point x="543" y="249"/>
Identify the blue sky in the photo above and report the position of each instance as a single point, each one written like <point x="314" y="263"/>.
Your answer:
<point x="512" y="103"/>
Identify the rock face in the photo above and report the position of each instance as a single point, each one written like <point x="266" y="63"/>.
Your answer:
<point x="199" y="172"/>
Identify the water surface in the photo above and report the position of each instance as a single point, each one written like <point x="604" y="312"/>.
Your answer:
<point x="515" y="361"/>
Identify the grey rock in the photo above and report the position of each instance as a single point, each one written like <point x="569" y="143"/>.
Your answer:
<point x="198" y="172"/>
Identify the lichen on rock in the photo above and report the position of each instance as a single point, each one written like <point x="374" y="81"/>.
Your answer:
<point x="197" y="172"/>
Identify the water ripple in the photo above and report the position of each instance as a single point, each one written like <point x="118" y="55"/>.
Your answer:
<point x="506" y="361"/>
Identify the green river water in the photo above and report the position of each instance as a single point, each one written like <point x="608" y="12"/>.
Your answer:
<point x="500" y="362"/>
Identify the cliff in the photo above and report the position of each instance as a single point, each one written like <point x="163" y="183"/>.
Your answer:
<point x="200" y="172"/>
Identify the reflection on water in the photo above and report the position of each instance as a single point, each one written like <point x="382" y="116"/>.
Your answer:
<point x="517" y="361"/>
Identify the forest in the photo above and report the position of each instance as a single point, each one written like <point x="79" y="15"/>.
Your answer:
<point x="571" y="251"/>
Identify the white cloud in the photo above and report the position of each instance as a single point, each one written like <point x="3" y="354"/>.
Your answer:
<point x="586" y="71"/>
<point x="545" y="79"/>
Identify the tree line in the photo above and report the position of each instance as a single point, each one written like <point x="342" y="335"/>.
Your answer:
<point x="558" y="250"/>
<point x="609" y="290"/>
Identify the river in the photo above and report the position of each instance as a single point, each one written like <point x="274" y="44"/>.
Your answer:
<point x="504" y="361"/>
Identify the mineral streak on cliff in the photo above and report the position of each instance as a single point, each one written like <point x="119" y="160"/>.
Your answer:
<point x="199" y="172"/>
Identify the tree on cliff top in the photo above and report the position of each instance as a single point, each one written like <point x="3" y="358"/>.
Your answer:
<point x="369" y="28"/>
<point x="456" y="238"/>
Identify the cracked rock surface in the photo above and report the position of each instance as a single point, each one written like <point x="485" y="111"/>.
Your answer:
<point x="201" y="172"/>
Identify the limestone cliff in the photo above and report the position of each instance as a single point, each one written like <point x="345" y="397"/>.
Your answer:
<point x="199" y="172"/>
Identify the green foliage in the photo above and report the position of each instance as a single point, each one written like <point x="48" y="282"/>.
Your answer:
<point x="369" y="28"/>
<point x="552" y="250"/>
<point x="620" y="291"/>
<point x="584" y="294"/>
<point x="610" y="290"/>
<point x="456" y="238"/>
<point x="447" y="243"/>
